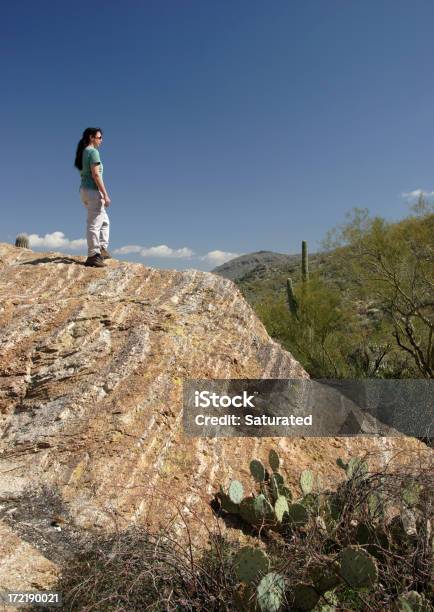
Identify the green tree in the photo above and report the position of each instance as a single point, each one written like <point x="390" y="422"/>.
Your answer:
<point x="321" y="334"/>
<point x="392" y="265"/>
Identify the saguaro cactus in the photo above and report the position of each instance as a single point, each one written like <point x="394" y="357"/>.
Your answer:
<point x="304" y="262"/>
<point x="292" y="300"/>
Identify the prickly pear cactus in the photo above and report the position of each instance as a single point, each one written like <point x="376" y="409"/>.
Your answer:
<point x="263" y="508"/>
<point x="236" y="492"/>
<point x="250" y="563"/>
<point x="274" y="487"/>
<point x="257" y="470"/>
<point x="22" y="241"/>
<point x="271" y="592"/>
<point x="356" y="468"/>
<point x="305" y="597"/>
<point x="311" y="502"/>
<point x="297" y="515"/>
<point x="292" y="300"/>
<point x="324" y="578"/>
<point x="274" y="460"/>
<point x="280" y="507"/>
<point x="226" y="504"/>
<point x="358" y="568"/>
<point x="306" y="482"/>
<point x="279" y="479"/>
<point x="286" y="492"/>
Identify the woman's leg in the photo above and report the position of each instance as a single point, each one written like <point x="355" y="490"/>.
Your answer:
<point x="104" y="231"/>
<point x="96" y="215"/>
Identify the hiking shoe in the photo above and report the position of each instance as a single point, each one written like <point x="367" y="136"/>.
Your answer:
<point x="96" y="261"/>
<point x="105" y="254"/>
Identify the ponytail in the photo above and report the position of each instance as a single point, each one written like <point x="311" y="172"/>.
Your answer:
<point x="82" y="144"/>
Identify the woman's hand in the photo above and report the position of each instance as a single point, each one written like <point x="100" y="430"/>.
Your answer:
<point x="107" y="202"/>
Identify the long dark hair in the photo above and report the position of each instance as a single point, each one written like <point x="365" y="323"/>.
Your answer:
<point x="88" y="132"/>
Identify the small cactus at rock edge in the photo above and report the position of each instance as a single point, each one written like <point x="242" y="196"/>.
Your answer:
<point x="22" y="241"/>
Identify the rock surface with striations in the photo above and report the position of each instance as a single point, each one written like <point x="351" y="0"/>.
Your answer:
<point x="92" y="363"/>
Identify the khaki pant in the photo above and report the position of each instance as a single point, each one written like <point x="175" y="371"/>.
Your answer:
<point x="98" y="223"/>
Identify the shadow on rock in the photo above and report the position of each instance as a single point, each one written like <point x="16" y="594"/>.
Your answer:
<point x="42" y="260"/>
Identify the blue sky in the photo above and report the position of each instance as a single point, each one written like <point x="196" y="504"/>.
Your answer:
<point x="229" y="126"/>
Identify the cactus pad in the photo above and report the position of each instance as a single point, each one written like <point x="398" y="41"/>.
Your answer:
<point x="305" y="597"/>
<point x="262" y="507"/>
<point x="226" y="503"/>
<point x="279" y="479"/>
<point x="306" y="481"/>
<point x="271" y="592"/>
<point x="236" y="492"/>
<point x="250" y="563"/>
<point x="274" y="487"/>
<point x="297" y="515"/>
<point x="358" y="568"/>
<point x="356" y="468"/>
<point x="273" y="460"/>
<point x="280" y="507"/>
<point x="257" y="470"/>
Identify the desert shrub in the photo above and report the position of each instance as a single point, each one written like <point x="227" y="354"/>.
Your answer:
<point x="365" y="545"/>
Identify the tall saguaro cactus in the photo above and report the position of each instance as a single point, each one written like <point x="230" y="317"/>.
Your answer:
<point x="304" y="262"/>
<point x="292" y="300"/>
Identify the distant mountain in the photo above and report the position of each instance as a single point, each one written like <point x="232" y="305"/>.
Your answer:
<point x="257" y="264"/>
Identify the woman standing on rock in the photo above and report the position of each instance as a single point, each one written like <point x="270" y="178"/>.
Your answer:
<point x="94" y="196"/>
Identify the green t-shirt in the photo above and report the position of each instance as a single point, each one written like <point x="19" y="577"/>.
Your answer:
<point x="90" y="156"/>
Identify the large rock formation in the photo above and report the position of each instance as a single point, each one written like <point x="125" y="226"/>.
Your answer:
<point x="92" y="363"/>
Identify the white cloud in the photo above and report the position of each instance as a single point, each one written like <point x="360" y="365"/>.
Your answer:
<point x="164" y="251"/>
<point x="213" y="257"/>
<point x="413" y="196"/>
<point x="129" y="248"/>
<point x="55" y="240"/>
<point x="218" y="257"/>
<point x="161" y="250"/>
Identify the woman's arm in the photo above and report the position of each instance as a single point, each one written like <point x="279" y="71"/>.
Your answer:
<point x="99" y="182"/>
